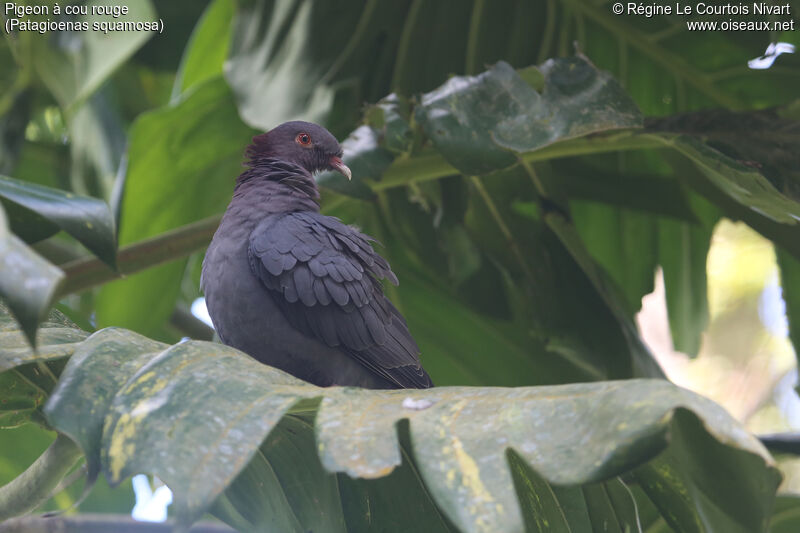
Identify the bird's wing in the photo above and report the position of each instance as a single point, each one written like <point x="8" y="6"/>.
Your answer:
<point x="324" y="275"/>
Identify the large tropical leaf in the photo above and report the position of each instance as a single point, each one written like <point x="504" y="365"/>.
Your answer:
<point x="76" y="65"/>
<point x="207" y="48"/>
<point x="481" y="459"/>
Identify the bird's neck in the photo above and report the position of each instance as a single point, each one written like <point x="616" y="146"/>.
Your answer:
<point x="283" y="182"/>
<point x="272" y="186"/>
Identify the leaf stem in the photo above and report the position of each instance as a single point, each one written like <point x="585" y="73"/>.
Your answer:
<point x="35" y="485"/>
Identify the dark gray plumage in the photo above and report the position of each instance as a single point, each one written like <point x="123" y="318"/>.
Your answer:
<point x="299" y="290"/>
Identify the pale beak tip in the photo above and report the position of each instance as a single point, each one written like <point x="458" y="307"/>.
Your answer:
<point x="339" y="166"/>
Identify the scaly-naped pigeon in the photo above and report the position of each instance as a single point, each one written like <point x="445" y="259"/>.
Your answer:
<point x="299" y="290"/>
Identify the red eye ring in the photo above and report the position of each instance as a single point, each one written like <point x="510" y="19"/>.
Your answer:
<point x="303" y="139"/>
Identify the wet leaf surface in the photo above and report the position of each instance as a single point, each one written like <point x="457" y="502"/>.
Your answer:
<point x="478" y="122"/>
<point x="226" y="413"/>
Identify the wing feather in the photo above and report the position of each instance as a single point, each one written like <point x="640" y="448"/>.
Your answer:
<point x="324" y="276"/>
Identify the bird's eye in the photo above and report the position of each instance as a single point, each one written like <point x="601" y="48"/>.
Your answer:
<point x="304" y="139"/>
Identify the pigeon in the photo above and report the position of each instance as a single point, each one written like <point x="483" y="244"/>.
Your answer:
<point x="298" y="290"/>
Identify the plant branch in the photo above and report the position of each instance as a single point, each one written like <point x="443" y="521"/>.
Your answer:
<point x="35" y="485"/>
<point x="88" y="272"/>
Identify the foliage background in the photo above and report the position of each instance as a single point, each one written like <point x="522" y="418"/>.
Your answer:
<point x="155" y="126"/>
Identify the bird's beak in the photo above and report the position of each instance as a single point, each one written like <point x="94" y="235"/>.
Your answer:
<point x="338" y="165"/>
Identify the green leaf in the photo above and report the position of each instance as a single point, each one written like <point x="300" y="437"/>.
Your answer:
<point x="56" y="338"/>
<point x="25" y="381"/>
<point x="207" y="48"/>
<point x="21" y="446"/>
<point x="541" y="509"/>
<point x="13" y="124"/>
<point x="740" y="193"/>
<point x="623" y="242"/>
<point x="87" y="219"/>
<point x="786" y="516"/>
<point x="74" y="66"/>
<point x="767" y="141"/>
<point x="638" y="191"/>
<point x="28" y="283"/>
<point x="97" y="144"/>
<point x="690" y="471"/>
<point x="611" y="505"/>
<point x="554" y="296"/>
<point x="397" y="501"/>
<point x="184" y="160"/>
<point x="230" y="439"/>
<point x="93" y="376"/>
<point x="682" y="254"/>
<point x="642" y="361"/>
<point x="463" y="344"/>
<point x="200" y="411"/>
<point x="741" y="183"/>
<point x="457" y="342"/>
<point x="280" y="53"/>
<point x="476" y="122"/>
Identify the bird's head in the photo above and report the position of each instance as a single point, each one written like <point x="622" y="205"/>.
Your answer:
<point x="303" y="143"/>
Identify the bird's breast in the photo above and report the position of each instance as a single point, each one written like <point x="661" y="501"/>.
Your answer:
<point x="247" y="318"/>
